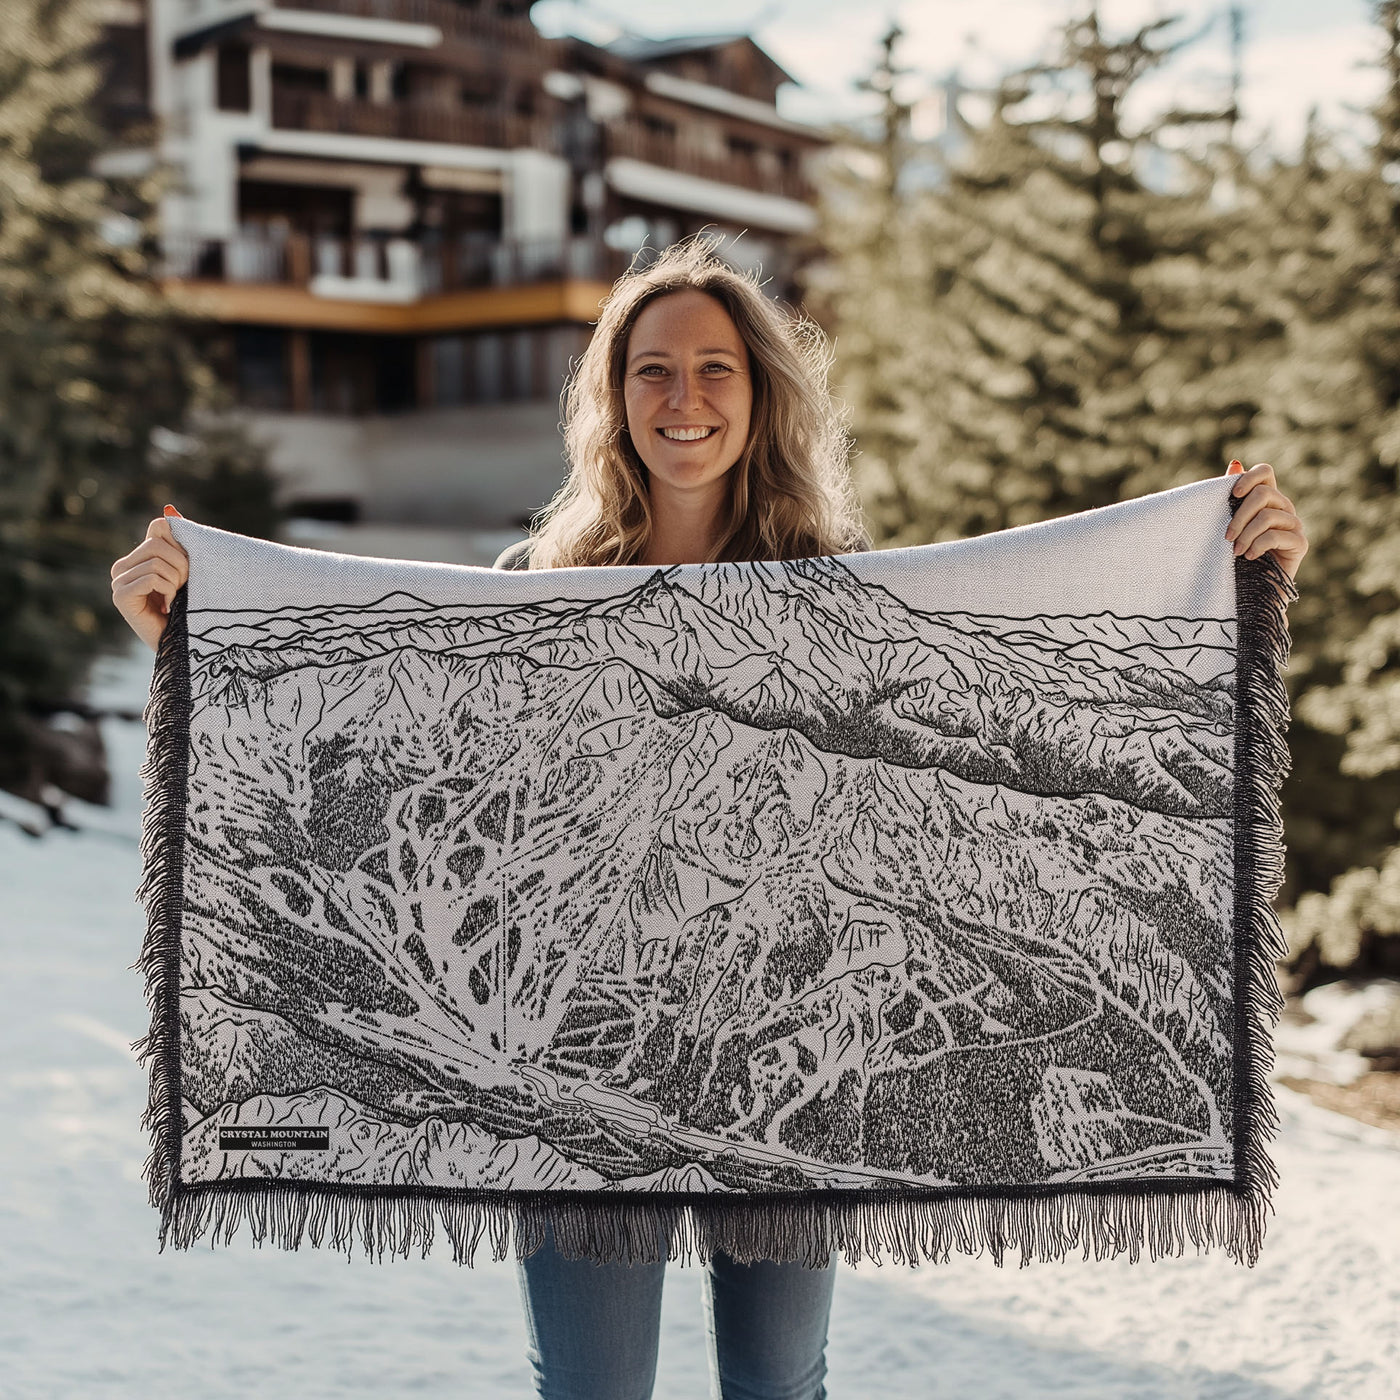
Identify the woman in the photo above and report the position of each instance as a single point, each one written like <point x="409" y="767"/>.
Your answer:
<point x="698" y="428"/>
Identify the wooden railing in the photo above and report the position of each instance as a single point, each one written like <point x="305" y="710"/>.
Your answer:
<point x="482" y="260"/>
<point x="418" y="266"/>
<point x="628" y="137"/>
<point x="408" y="121"/>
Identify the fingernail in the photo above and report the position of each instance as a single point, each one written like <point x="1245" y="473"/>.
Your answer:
<point x="170" y="510"/>
<point x="1235" y="462"/>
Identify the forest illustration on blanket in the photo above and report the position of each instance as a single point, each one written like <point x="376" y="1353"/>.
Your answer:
<point x="747" y="878"/>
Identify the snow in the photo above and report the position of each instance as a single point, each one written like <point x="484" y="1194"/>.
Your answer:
<point x="1311" y="1049"/>
<point x="88" y="1307"/>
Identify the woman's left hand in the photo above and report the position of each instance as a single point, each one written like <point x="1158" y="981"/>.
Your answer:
<point x="1265" y="521"/>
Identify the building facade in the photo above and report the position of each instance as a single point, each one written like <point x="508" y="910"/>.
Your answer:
<point x="400" y="216"/>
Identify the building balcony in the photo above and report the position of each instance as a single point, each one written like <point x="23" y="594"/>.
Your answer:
<point x="407" y="121"/>
<point x="455" y="21"/>
<point x="438" y="123"/>
<point x="762" y="171"/>
<point x="476" y="260"/>
<point x="437" y="20"/>
<point x="380" y="267"/>
<point x="391" y="283"/>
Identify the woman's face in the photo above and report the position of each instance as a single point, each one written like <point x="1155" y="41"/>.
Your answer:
<point x="688" y="393"/>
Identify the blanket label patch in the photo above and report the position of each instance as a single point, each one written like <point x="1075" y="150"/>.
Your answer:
<point x="264" y="1138"/>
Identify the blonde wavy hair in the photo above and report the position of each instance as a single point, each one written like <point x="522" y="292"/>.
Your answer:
<point x="791" y="495"/>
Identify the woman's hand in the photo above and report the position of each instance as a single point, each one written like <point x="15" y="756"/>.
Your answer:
<point x="145" y="581"/>
<point x="1265" y="521"/>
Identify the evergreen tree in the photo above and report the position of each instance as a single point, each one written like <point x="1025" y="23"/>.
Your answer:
<point x="1053" y="357"/>
<point x="93" y="361"/>
<point x="1335" y="403"/>
<point x="859" y="287"/>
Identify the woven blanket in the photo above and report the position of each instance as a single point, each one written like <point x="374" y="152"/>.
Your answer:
<point x="895" y="903"/>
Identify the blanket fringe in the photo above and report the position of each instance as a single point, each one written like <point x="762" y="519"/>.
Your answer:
<point x="1263" y="592"/>
<point x="1094" y="1222"/>
<point x="164" y="775"/>
<point x="805" y="1229"/>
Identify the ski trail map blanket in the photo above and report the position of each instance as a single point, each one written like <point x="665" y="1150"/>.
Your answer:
<point x="894" y="903"/>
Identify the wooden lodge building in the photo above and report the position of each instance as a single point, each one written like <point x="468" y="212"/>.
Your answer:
<point x="401" y="216"/>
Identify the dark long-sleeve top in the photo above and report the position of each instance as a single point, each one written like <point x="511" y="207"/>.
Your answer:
<point x="514" y="556"/>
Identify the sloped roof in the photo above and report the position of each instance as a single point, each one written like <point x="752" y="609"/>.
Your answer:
<point x="637" y="49"/>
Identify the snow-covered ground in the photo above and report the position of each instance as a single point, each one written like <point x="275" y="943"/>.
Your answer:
<point x="88" y="1307"/>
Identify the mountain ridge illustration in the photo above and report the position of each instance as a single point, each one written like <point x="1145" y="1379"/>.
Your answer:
<point x="756" y="880"/>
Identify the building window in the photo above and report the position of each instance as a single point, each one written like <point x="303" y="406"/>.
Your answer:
<point x="562" y="343"/>
<point x="351" y="374"/>
<point x="295" y="77"/>
<point x="260" y="360"/>
<point x="478" y="89"/>
<point x="449" y="371"/>
<point x="232" y="83"/>
<point x="396" y="379"/>
<point x="341" y="378"/>
<point x="522" y="364"/>
<point x="488" y="365"/>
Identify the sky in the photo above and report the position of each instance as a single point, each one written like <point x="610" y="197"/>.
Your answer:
<point x="1298" y="53"/>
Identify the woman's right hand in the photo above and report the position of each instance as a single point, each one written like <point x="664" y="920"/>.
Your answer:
<point x="145" y="582"/>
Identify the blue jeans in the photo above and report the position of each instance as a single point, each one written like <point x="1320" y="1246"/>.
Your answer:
<point x="593" y="1328"/>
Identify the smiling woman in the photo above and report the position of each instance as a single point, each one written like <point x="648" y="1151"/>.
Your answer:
<point x="699" y="427"/>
